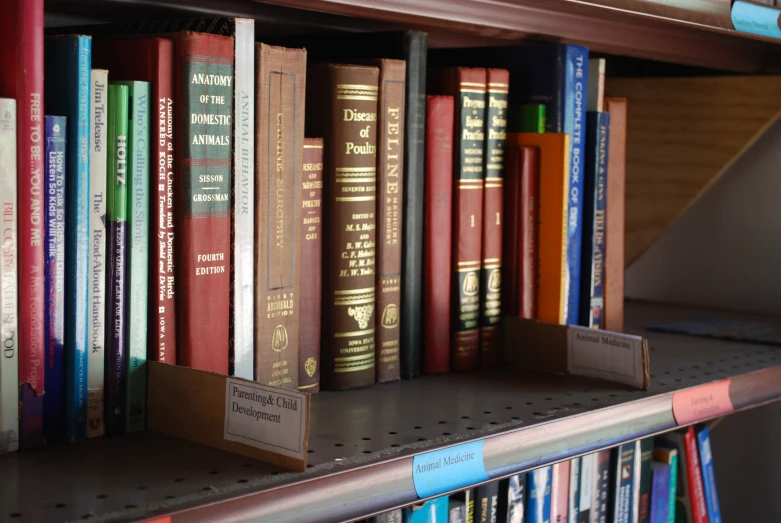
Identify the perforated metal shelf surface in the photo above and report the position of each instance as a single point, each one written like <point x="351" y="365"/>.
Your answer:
<point x="362" y="442"/>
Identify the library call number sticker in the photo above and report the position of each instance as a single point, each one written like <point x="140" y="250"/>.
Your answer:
<point x="448" y="469"/>
<point x="264" y="417"/>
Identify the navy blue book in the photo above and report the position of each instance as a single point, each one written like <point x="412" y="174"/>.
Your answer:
<point x="708" y="475"/>
<point x="660" y="492"/>
<point x="592" y="262"/>
<point x="54" y="278"/>
<point x="66" y="92"/>
<point x="538" y="497"/>
<point x="623" y="483"/>
<point x="515" y="501"/>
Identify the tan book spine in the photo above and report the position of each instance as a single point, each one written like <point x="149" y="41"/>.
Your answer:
<point x="615" y="221"/>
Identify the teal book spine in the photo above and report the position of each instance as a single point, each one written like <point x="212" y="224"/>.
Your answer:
<point x="137" y="253"/>
<point x="67" y="93"/>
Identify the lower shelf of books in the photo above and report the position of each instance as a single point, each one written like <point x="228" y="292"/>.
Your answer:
<point x="362" y="443"/>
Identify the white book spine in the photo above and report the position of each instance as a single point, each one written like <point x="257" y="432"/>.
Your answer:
<point x="97" y="249"/>
<point x="9" y="266"/>
<point x="586" y="482"/>
<point x="244" y="201"/>
<point x="636" y="483"/>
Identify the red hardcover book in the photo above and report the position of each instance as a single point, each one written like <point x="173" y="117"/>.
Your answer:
<point x="151" y="60"/>
<point x="311" y="267"/>
<point x="21" y="63"/>
<point x="493" y="194"/>
<point x="437" y="244"/>
<point x="204" y="95"/>
<point x="467" y="87"/>
<point x="696" y="487"/>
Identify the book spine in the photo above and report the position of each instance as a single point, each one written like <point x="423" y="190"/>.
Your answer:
<point x="469" y="504"/>
<point x="97" y="246"/>
<point x="696" y="487"/>
<point x="486" y="502"/>
<point x="77" y="226"/>
<point x="241" y="349"/>
<point x="574" y="491"/>
<point x="412" y="227"/>
<point x="137" y="255"/>
<point x="349" y="276"/>
<point x="575" y="102"/>
<point x="498" y="85"/>
<point x="9" y="268"/>
<point x="560" y="492"/>
<point x="674" y="472"/>
<point x="516" y="498"/>
<point x="22" y="63"/>
<point x="708" y="475"/>
<point x="613" y="314"/>
<point x="538" y="504"/>
<point x="438" y="241"/>
<point x="469" y="151"/>
<point x="203" y="178"/>
<point x="54" y="278"/>
<point x="311" y="266"/>
<point x="116" y="254"/>
<point x="624" y="481"/>
<point x="279" y="150"/>
<point x="660" y="494"/>
<point x="600" y="499"/>
<point x="646" y="453"/>
<point x="586" y="488"/>
<point x="390" y="186"/>
<point x="529" y="231"/>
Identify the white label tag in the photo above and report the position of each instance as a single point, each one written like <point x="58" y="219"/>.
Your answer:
<point x="264" y="417"/>
<point x="605" y="355"/>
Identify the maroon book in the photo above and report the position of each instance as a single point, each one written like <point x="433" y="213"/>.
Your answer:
<point x="437" y="244"/>
<point x="151" y="60"/>
<point x="204" y="94"/>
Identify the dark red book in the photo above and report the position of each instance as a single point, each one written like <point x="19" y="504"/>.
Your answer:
<point x="467" y="87"/>
<point x="204" y="95"/>
<point x="694" y="472"/>
<point x="311" y="267"/>
<point x="521" y="231"/>
<point x="151" y="59"/>
<point x="437" y="241"/>
<point x="21" y="61"/>
<point x="493" y="190"/>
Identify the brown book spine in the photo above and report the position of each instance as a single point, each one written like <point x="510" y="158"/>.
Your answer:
<point x="613" y="313"/>
<point x="279" y="138"/>
<point x="529" y="215"/>
<point x="390" y="163"/>
<point x="493" y="221"/>
<point x="344" y="109"/>
<point x="311" y="266"/>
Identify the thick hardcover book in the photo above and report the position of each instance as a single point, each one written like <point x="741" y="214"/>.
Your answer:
<point x="623" y="464"/>
<point x="521" y="232"/>
<point x="68" y="94"/>
<point x="151" y="59"/>
<point x="574" y="491"/>
<point x="204" y="95"/>
<point x="54" y="277"/>
<point x="467" y="87"/>
<point x="708" y="474"/>
<point x="437" y="252"/>
<point x="559" y="504"/>
<point x="613" y="315"/>
<point x="694" y="473"/>
<point x="390" y="164"/>
<point x="538" y="497"/>
<point x="669" y="456"/>
<point x="97" y="251"/>
<point x="343" y="108"/>
<point x="595" y="178"/>
<point x="644" y="497"/>
<point x="9" y="268"/>
<point x="516" y="498"/>
<point x="553" y="218"/>
<point x="585" y="508"/>
<point x="21" y="60"/>
<point x="660" y="489"/>
<point x="498" y="85"/>
<point x="137" y="298"/>
<point x="487" y="502"/>
<point x="601" y="495"/>
<point x="311" y="266"/>
<point x="281" y="81"/>
<point x="118" y="173"/>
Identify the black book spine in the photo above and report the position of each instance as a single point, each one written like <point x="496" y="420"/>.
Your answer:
<point x="487" y="503"/>
<point x="415" y="49"/>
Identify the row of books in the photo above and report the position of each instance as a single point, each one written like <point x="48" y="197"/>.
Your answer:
<point x="657" y="480"/>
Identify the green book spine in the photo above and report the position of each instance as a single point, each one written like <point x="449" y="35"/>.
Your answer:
<point x="138" y="253"/>
<point x="673" y="487"/>
<point x="530" y="118"/>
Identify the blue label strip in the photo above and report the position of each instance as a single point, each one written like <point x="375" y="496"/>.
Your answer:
<point x="756" y="19"/>
<point x="448" y="469"/>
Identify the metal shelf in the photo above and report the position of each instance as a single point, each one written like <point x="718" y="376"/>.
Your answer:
<point x="362" y="442"/>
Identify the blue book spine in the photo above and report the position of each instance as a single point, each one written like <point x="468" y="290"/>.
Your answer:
<point x="54" y="278"/>
<point x="660" y="493"/>
<point x="67" y="92"/>
<point x="592" y="266"/>
<point x="574" y="119"/>
<point x="756" y="19"/>
<point x="708" y="475"/>
<point x="623" y="486"/>
<point x="538" y="502"/>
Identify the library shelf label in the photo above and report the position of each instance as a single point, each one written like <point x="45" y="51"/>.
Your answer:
<point x="619" y="358"/>
<point x="448" y="469"/>
<point x="265" y="417"/>
<point x="703" y="402"/>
